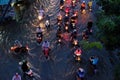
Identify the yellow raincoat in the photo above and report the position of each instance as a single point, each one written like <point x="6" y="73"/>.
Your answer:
<point x="90" y="3"/>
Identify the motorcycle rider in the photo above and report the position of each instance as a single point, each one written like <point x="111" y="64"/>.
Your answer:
<point x="24" y="66"/>
<point x="59" y="32"/>
<point x="74" y="34"/>
<point x="94" y="61"/>
<point x="47" y="24"/>
<point x="67" y="10"/>
<point x="16" y="77"/>
<point x="38" y="31"/>
<point x="17" y="46"/>
<point x="81" y="73"/>
<point x="83" y="6"/>
<point x="59" y="18"/>
<point x="89" y="26"/>
<point x="78" y="51"/>
<point x="66" y="18"/>
<point x="61" y="2"/>
<point x="17" y="43"/>
<point x="73" y="3"/>
<point x="90" y="4"/>
<point x="46" y="44"/>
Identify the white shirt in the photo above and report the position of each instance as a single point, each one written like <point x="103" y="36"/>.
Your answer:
<point x="47" y="23"/>
<point x="38" y="30"/>
<point x="16" y="77"/>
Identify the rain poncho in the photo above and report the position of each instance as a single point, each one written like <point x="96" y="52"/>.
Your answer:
<point x="94" y="61"/>
<point x="46" y="45"/>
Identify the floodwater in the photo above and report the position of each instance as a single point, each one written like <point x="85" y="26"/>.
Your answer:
<point x="61" y="65"/>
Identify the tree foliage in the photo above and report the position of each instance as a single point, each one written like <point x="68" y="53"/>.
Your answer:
<point x="89" y="45"/>
<point x="110" y="6"/>
<point x="117" y="72"/>
<point x="109" y="24"/>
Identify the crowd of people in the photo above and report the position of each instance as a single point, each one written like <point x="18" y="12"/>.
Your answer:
<point x="66" y="23"/>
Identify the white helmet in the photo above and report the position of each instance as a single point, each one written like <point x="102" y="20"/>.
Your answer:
<point x="83" y="1"/>
<point x="81" y="69"/>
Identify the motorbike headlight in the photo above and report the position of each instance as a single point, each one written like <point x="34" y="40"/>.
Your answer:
<point x="59" y="40"/>
<point x="66" y="27"/>
<point x="40" y="17"/>
<point x="75" y="42"/>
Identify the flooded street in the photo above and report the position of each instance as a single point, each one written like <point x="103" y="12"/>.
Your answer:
<point x="61" y="65"/>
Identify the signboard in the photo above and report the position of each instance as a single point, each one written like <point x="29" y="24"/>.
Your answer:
<point x="3" y="2"/>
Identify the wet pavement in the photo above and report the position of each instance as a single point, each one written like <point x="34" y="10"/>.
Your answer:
<point x="61" y="65"/>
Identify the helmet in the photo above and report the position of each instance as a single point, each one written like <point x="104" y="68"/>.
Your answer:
<point x="16" y="41"/>
<point x="81" y="69"/>
<point x="74" y="30"/>
<point x="83" y="1"/>
<point x="16" y="74"/>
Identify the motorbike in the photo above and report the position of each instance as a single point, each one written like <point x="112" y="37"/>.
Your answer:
<point x="77" y="55"/>
<point x="61" y="7"/>
<point x="61" y="4"/>
<point x="66" y="18"/>
<point x="83" y="11"/>
<point x="90" y="31"/>
<point x="90" y="8"/>
<point x="75" y="14"/>
<point x="66" y="28"/>
<point x="28" y="73"/>
<point x="59" y="32"/>
<point x="93" y="63"/>
<point x="73" y="19"/>
<point x="19" y="50"/>
<point x="85" y="35"/>
<point x="46" y="52"/>
<point x="75" y="42"/>
<point x="40" y="15"/>
<point x="73" y="3"/>
<point x="39" y="38"/>
<point x="47" y="24"/>
<point x="73" y="25"/>
<point x="67" y="11"/>
<point x="59" y="19"/>
<point x="80" y="74"/>
<point x="59" y="41"/>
